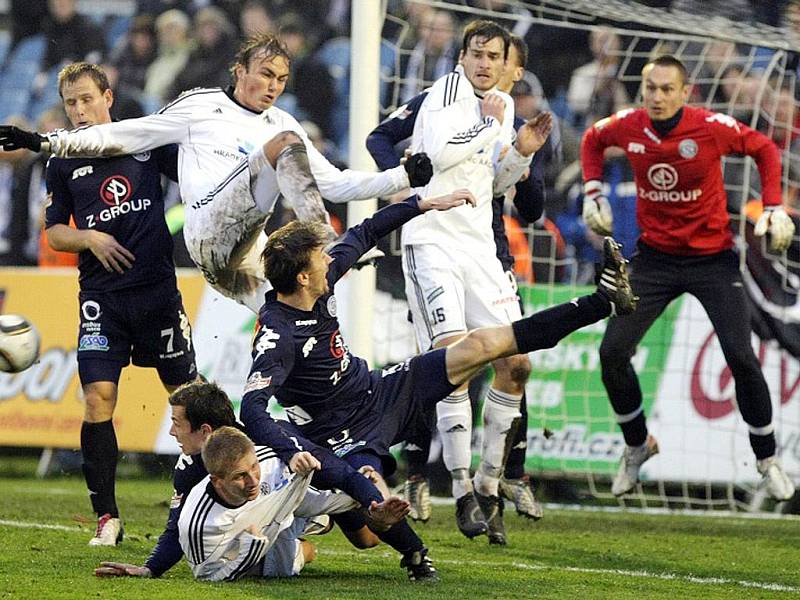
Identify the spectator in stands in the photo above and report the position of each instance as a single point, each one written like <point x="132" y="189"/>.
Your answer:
<point x="126" y="98"/>
<point x="172" y="28"/>
<point x="26" y="18"/>
<point x="12" y="199"/>
<point x="740" y="11"/>
<point x="133" y="56"/>
<point x="255" y="18"/>
<point x="215" y="47"/>
<point x="70" y="36"/>
<point x="311" y="82"/>
<point x="434" y="54"/>
<point x="32" y="199"/>
<point x="594" y="91"/>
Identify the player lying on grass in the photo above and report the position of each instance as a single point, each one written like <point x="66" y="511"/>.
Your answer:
<point x="331" y="396"/>
<point x="200" y="408"/>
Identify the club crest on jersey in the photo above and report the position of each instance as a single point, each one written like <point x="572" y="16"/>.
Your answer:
<point x="256" y="382"/>
<point x="115" y="190"/>
<point x="142" y="156"/>
<point x="331" y="306"/>
<point x="687" y="148"/>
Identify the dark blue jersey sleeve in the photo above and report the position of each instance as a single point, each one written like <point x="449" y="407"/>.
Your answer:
<point x="529" y="196"/>
<point x="167" y="161"/>
<point x="59" y="207"/>
<point x="397" y="127"/>
<point x="357" y="240"/>
<point x="273" y="358"/>
<point x="189" y="471"/>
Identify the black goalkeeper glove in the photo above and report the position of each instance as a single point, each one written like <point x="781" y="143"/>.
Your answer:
<point x="419" y="169"/>
<point x="14" y="138"/>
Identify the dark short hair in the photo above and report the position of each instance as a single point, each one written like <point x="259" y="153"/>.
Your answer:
<point x="264" y="45"/>
<point x="667" y="60"/>
<point x="74" y="71"/>
<point x="484" y="31"/>
<point x="288" y="252"/>
<point x="204" y="402"/>
<point x="522" y="50"/>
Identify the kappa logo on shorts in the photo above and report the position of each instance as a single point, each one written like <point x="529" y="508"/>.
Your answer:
<point x="142" y="156"/>
<point x="91" y="310"/>
<point x="93" y="342"/>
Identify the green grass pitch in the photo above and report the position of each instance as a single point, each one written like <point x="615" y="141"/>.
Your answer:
<point x="568" y="554"/>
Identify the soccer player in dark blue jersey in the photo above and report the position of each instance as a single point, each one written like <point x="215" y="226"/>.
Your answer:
<point x="528" y="199"/>
<point x="200" y="408"/>
<point x="331" y="396"/>
<point x="130" y="306"/>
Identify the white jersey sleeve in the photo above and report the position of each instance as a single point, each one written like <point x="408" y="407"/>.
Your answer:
<point x="129" y="136"/>
<point x="451" y="133"/>
<point x="339" y="186"/>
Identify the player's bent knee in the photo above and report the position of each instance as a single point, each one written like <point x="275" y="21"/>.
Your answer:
<point x="274" y="147"/>
<point x="518" y="368"/>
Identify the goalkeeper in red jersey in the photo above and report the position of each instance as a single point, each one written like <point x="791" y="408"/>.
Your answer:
<point x="686" y="246"/>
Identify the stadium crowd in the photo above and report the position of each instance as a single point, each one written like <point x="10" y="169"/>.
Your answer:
<point x="166" y="47"/>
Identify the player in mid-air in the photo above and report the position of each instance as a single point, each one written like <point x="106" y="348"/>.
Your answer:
<point x="686" y="246"/>
<point x="331" y="397"/>
<point x="198" y="409"/>
<point x="236" y="153"/>
<point x="529" y="201"/>
<point x="130" y="306"/>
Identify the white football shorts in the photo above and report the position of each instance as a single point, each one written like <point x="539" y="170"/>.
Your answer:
<point x="453" y="290"/>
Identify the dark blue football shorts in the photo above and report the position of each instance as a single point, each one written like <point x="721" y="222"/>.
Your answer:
<point x="146" y="325"/>
<point x="401" y="395"/>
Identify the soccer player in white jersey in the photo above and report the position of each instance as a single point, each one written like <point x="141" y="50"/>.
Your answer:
<point x="237" y="153"/>
<point x="246" y="504"/>
<point x="454" y="281"/>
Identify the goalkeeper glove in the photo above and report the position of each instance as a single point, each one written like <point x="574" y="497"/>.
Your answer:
<point x="419" y="169"/>
<point x="779" y="225"/>
<point x="596" y="209"/>
<point x="14" y="138"/>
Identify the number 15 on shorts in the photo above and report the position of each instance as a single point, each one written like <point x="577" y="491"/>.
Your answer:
<point x="438" y="316"/>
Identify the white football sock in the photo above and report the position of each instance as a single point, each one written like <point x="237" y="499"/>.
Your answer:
<point x="454" y="422"/>
<point x="499" y="411"/>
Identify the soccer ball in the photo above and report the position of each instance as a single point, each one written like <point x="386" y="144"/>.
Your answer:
<point x="19" y="343"/>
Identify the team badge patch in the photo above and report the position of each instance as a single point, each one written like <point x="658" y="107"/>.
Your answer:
<point x="332" y="306"/>
<point x="687" y="148"/>
<point x="257" y="382"/>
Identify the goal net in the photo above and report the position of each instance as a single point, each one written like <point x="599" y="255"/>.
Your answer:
<point x="737" y="69"/>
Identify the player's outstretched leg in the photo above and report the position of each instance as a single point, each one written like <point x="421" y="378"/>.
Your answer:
<point x="613" y="280"/>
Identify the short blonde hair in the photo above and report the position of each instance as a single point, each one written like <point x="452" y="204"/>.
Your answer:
<point x="223" y="449"/>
